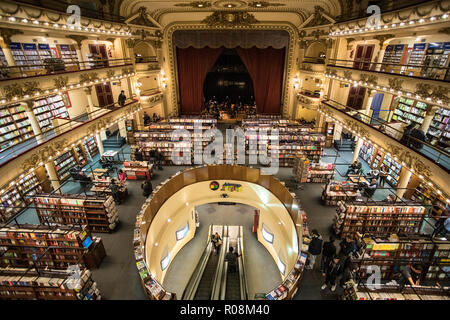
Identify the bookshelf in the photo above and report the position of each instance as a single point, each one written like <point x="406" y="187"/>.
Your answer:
<point x="97" y="213"/>
<point x="46" y="247"/>
<point x="136" y="170"/>
<point x="68" y="54"/>
<point x="49" y="284"/>
<point x="392" y="292"/>
<point x="336" y="191"/>
<point x="27" y="54"/>
<point x="440" y="127"/>
<point x="421" y="192"/>
<point x="393" y="57"/>
<point x="289" y="286"/>
<point x="14" y="126"/>
<point x="378" y="218"/>
<point x="435" y="60"/>
<point x="64" y="163"/>
<point x="48" y="108"/>
<point x="390" y="253"/>
<point x="153" y="288"/>
<point x="394" y="170"/>
<point x="18" y="195"/>
<point x="90" y="146"/>
<point x="80" y="155"/>
<point x="408" y="110"/>
<point x="329" y="134"/>
<point x="3" y="63"/>
<point x="416" y="58"/>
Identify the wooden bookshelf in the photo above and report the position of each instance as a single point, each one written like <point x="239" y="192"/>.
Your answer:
<point x="392" y="292"/>
<point x="90" y="147"/>
<point x="18" y="194"/>
<point x="49" y="284"/>
<point x="378" y="218"/>
<point x="409" y="110"/>
<point x="14" y="126"/>
<point x="64" y="163"/>
<point x="391" y="253"/>
<point x="97" y="213"/>
<point x="49" y="247"/>
<point x="68" y="54"/>
<point x="305" y="171"/>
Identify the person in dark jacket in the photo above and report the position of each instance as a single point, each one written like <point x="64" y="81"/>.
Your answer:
<point x="332" y="271"/>
<point x="122" y="98"/>
<point x="346" y="246"/>
<point x="115" y="191"/>
<point x="419" y="135"/>
<point x="406" y="132"/>
<point x="147" y="187"/>
<point x="349" y="273"/>
<point x="147" y="119"/>
<point x="328" y="252"/>
<point x="231" y="257"/>
<point x="138" y="155"/>
<point x="314" y="249"/>
<point x="159" y="158"/>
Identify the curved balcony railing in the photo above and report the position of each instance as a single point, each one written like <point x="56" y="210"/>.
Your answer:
<point x="58" y="67"/>
<point x="440" y="73"/>
<point x="145" y="59"/>
<point x="431" y="152"/>
<point x="31" y="143"/>
<point x="314" y="60"/>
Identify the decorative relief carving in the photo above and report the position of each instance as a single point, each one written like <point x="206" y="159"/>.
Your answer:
<point x="423" y="89"/>
<point x="383" y="37"/>
<point x="369" y="78"/>
<point x="42" y="154"/>
<point x="142" y="19"/>
<point x="358" y="128"/>
<point x="12" y="90"/>
<point x="440" y="93"/>
<point x="395" y="83"/>
<point x="8" y="33"/>
<point x="302" y="99"/>
<point x="409" y="158"/>
<point x="61" y="82"/>
<point x="348" y="74"/>
<point x="230" y="19"/>
<point x="110" y="73"/>
<point x="195" y="4"/>
<point x="77" y="39"/>
<point x="444" y="30"/>
<point x="87" y="77"/>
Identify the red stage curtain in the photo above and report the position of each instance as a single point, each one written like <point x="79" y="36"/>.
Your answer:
<point x="265" y="67"/>
<point x="193" y="66"/>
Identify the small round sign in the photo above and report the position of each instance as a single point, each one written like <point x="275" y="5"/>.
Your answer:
<point x="214" y="185"/>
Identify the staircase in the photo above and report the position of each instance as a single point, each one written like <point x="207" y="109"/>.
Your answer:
<point x="114" y="141"/>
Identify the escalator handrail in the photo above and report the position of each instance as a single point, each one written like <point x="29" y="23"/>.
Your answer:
<point x="241" y="266"/>
<point x="223" y="289"/>
<point x="218" y="276"/>
<point x="191" y="288"/>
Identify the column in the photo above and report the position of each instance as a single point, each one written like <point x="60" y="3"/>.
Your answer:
<point x="405" y="175"/>
<point x="337" y="131"/>
<point x="359" y="143"/>
<point x="99" y="143"/>
<point x="370" y="96"/>
<point x="122" y="128"/>
<point x="90" y="109"/>
<point x="51" y="172"/>
<point x="429" y="115"/>
<point x="33" y="121"/>
<point x="320" y="122"/>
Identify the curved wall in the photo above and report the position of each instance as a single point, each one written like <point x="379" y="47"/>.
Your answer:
<point x="177" y="211"/>
<point x="279" y="211"/>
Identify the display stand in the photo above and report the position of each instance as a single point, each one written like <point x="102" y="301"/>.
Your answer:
<point x="340" y="191"/>
<point x="137" y="170"/>
<point x="305" y="171"/>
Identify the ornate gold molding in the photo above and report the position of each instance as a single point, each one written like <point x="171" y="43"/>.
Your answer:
<point x="264" y="4"/>
<point x="395" y="83"/>
<point x="230" y="19"/>
<point x="195" y="4"/>
<point x="43" y="154"/>
<point x="61" y="82"/>
<point x="8" y="33"/>
<point x="289" y="61"/>
<point x="77" y="38"/>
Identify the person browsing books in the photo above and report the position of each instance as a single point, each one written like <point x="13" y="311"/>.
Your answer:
<point x="328" y="252"/>
<point x="314" y="248"/>
<point x="332" y="271"/>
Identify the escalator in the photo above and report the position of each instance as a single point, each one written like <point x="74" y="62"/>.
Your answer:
<point x="205" y="280"/>
<point x="204" y="288"/>
<point x="233" y="284"/>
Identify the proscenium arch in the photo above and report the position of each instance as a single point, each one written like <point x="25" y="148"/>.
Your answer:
<point x="270" y="193"/>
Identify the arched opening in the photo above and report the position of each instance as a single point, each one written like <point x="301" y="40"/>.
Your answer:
<point x="228" y="80"/>
<point x="316" y="51"/>
<point x="143" y="50"/>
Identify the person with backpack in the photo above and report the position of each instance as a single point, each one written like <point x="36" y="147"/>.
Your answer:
<point x="231" y="257"/>
<point x="314" y="249"/>
<point x="328" y="252"/>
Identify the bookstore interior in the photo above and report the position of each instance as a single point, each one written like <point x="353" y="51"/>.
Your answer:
<point x="224" y="150"/>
